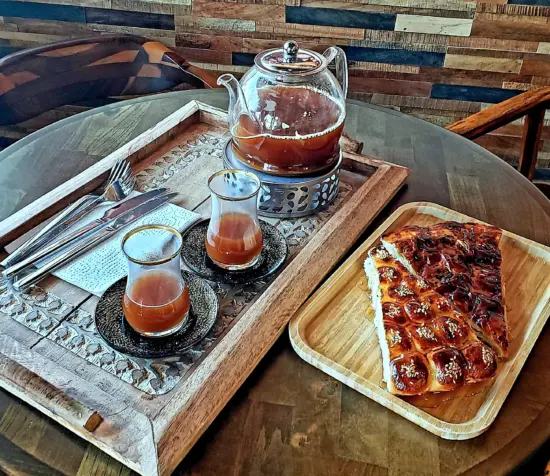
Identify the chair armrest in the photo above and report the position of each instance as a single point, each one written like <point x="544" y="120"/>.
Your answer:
<point x="501" y="114"/>
<point x="206" y="77"/>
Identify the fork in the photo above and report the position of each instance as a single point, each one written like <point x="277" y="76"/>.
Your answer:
<point x="121" y="183"/>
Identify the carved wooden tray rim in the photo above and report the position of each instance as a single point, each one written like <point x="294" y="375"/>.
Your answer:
<point x="507" y="374"/>
<point x="151" y="434"/>
<point x="50" y="203"/>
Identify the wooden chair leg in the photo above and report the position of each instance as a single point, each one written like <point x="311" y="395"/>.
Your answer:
<point x="532" y="130"/>
<point x="544" y="187"/>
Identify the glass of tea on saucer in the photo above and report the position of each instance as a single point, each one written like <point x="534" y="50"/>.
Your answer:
<point x="234" y="239"/>
<point x="156" y="302"/>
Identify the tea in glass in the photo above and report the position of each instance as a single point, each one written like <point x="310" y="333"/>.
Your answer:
<point x="156" y="302"/>
<point x="234" y="238"/>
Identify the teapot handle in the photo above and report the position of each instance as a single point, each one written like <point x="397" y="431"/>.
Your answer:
<point x="341" y="63"/>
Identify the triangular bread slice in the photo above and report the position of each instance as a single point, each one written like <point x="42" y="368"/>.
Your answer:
<point x="426" y="344"/>
<point x="461" y="261"/>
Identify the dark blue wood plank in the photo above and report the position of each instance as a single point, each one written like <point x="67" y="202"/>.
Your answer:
<point x="343" y="18"/>
<point x="543" y="175"/>
<point x="6" y="142"/>
<point x="106" y="16"/>
<point x="8" y="50"/>
<point x="472" y="93"/>
<point x="376" y="55"/>
<point x="530" y="2"/>
<point x="383" y="55"/>
<point x="242" y="59"/>
<point x="42" y="11"/>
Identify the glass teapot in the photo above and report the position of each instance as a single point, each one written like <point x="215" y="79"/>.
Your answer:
<point x="287" y="113"/>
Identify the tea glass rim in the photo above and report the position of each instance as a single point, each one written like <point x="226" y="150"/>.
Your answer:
<point x="254" y="177"/>
<point x="152" y="227"/>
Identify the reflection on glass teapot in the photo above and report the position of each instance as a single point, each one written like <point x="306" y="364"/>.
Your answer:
<point x="287" y="114"/>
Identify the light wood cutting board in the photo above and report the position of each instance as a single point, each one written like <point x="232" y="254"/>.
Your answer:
<point x="335" y="332"/>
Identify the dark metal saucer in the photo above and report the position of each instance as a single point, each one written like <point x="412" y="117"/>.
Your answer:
<point x="272" y="257"/>
<point x="114" y="329"/>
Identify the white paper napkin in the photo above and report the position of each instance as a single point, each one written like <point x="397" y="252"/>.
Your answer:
<point x="105" y="264"/>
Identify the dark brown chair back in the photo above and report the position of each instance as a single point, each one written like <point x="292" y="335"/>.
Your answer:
<point x="37" y="80"/>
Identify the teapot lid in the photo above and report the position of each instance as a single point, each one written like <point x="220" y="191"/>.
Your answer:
<point x="290" y="60"/>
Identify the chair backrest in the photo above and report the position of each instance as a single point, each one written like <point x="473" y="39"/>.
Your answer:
<point x="37" y="80"/>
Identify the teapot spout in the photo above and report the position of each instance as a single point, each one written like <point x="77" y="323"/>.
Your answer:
<point x="237" y="102"/>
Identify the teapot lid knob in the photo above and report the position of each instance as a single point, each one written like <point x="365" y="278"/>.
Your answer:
<point x="290" y="60"/>
<point x="290" y="49"/>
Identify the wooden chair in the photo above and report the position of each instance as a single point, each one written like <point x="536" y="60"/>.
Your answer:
<point x="531" y="104"/>
<point x="41" y="79"/>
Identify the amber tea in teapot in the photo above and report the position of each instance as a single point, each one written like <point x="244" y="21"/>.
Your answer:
<point x="309" y="127"/>
<point x="287" y="114"/>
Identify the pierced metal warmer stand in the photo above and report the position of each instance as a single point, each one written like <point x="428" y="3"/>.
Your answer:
<point x="290" y="197"/>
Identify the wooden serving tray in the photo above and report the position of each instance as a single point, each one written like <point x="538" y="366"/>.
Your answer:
<point x="149" y="413"/>
<point x="335" y="332"/>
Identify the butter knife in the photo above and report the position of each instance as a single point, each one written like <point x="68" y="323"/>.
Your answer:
<point x="67" y="217"/>
<point x="120" y="209"/>
<point x="87" y="243"/>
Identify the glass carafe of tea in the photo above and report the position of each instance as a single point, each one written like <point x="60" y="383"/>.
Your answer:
<point x="287" y="113"/>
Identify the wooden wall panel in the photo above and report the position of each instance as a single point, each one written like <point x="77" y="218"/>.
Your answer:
<point x="238" y="11"/>
<point x="438" y="59"/>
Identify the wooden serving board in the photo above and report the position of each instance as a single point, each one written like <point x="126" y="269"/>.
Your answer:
<point x="149" y="413"/>
<point x="335" y="331"/>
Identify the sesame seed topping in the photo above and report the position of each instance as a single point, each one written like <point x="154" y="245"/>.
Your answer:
<point x="422" y="284"/>
<point x="393" y="310"/>
<point x="403" y="290"/>
<point x="487" y="357"/>
<point x="410" y="370"/>
<point x="425" y="333"/>
<point x="381" y="253"/>
<point x="450" y="370"/>
<point x="424" y="308"/>
<point x="453" y="328"/>
<point x="394" y="337"/>
<point x="388" y="273"/>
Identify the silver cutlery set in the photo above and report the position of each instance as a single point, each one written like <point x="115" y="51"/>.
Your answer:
<point x="57" y="248"/>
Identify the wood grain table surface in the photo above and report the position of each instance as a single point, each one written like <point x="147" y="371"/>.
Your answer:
<point x="290" y="418"/>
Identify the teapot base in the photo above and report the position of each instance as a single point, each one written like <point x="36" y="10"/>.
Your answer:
<point x="287" y="196"/>
<point x="278" y="171"/>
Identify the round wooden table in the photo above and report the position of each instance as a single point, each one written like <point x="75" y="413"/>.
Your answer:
<point x="290" y="418"/>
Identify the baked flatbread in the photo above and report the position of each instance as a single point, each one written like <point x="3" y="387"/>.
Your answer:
<point x="427" y="346"/>
<point x="461" y="261"/>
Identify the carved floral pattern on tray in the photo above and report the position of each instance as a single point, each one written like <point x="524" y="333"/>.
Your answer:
<point x="177" y="159"/>
<point x="54" y="319"/>
<point x="37" y="309"/>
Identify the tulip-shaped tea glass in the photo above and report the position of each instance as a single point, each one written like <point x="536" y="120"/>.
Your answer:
<point x="156" y="301"/>
<point x="234" y="239"/>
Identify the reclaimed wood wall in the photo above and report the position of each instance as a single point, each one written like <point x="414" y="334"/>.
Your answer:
<point x="440" y="60"/>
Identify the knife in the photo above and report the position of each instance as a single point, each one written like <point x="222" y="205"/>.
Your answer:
<point x="98" y="236"/>
<point x="120" y="209"/>
<point x="53" y="229"/>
